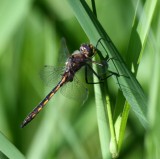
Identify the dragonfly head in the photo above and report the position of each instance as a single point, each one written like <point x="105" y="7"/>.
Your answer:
<point x="88" y="50"/>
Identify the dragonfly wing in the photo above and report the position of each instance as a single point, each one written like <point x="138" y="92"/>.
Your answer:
<point x="51" y="75"/>
<point x="63" y="52"/>
<point x="75" y="90"/>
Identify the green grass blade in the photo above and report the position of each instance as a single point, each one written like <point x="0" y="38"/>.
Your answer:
<point x="113" y="141"/>
<point x="130" y="86"/>
<point x="102" y="120"/>
<point x="142" y="22"/>
<point x="153" y="135"/>
<point x="120" y="117"/>
<point x="139" y="33"/>
<point x="8" y="150"/>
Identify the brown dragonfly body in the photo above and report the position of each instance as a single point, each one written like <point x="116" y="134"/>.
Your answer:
<point x="77" y="60"/>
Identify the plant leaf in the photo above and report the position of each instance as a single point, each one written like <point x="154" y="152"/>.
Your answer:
<point x="130" y="87"/>
<point x="8" y="150"/>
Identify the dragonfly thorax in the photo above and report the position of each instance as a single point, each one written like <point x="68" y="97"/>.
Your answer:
<point x="88" y="50"/>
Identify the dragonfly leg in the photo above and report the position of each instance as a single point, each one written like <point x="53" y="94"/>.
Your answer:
<point x="117" y="75"/>
<point x="107" y="58"/>
<point x="89" y="67"/>
<point x="101" y="79"/>
<point x="99" y="41"/>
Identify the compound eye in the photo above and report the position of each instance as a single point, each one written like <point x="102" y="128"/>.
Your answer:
<point x="82" y="48"/>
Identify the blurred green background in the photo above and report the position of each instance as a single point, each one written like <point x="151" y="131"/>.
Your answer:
<point x="30" y="34"/>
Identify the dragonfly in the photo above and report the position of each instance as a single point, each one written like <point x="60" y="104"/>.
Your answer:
<point x="78" y="59"/>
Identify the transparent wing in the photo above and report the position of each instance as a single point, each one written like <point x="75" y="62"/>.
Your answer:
<point x="51" y="75"/>
<point x="63" y="52"/>
<point x="75" y="90"/>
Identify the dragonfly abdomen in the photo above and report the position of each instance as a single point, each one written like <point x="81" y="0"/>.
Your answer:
<point x="39" y="107"/>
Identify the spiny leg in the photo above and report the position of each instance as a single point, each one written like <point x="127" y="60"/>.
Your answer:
<point x="101" y="80"/>
<point x="86" y="75"/>
<point x="112" y="58"/>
